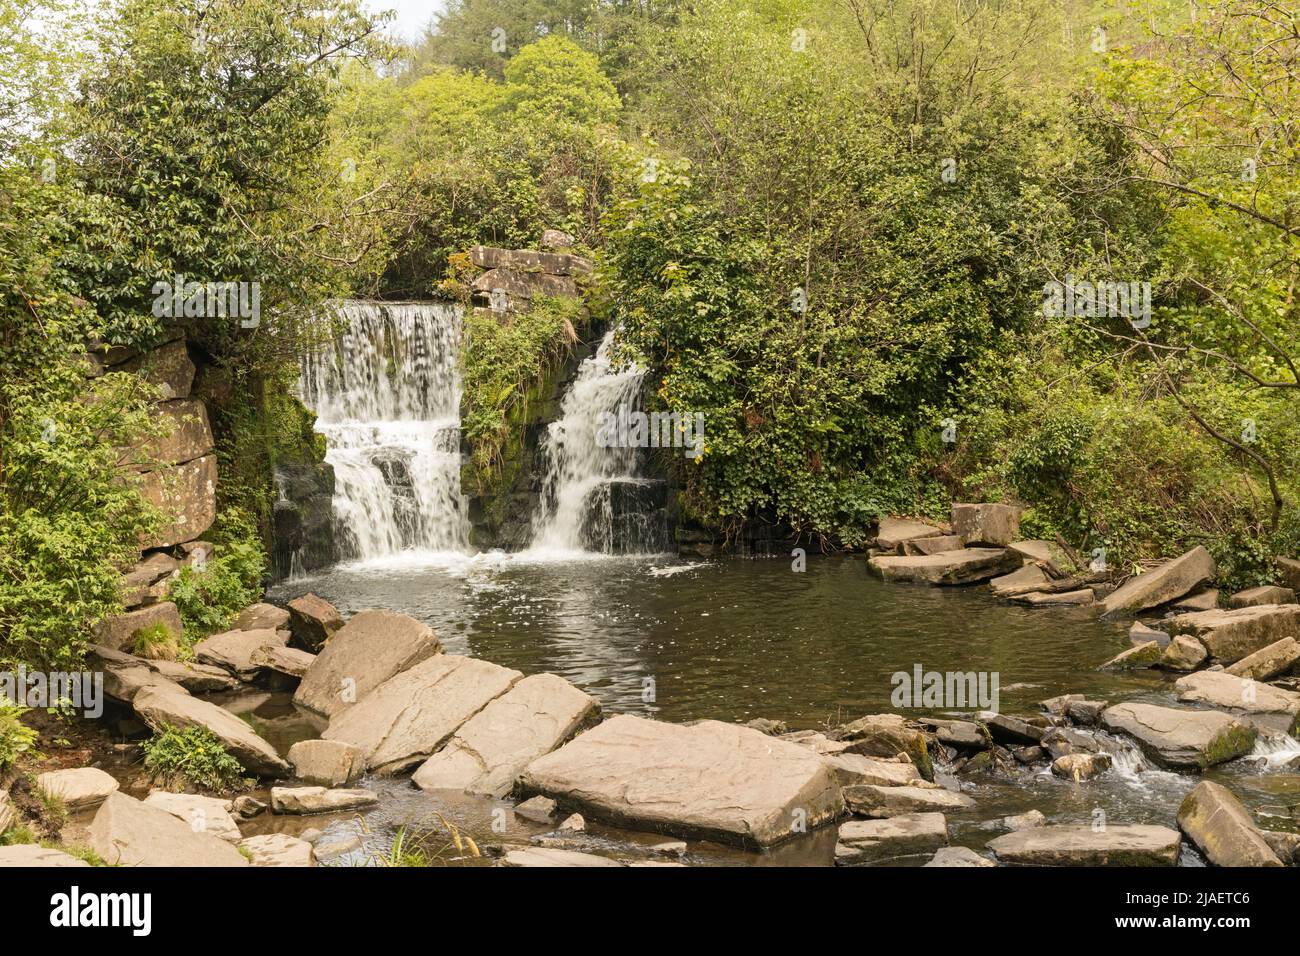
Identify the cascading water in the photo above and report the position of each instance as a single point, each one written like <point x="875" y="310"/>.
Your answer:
<point x="387" y="400"/>
<point x="593" y="498"/>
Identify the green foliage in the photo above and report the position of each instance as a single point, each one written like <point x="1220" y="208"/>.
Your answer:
<point x="16" y="738"/>
<point x="209" y="596"/>
<point x="155" y="642"/>
<point x="192" y="757"/>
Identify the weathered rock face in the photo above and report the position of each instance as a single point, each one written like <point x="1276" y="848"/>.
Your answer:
<point x="526" y="260"/>
<point x="869" y="841"/>
<point x="1256" y="597"/>
<point x="495" y="745"/>
<point x="1183" y="653"/>
<point x="1229" y="636"/>
<point x="278" y="849"/>
<point x="892" y="533"/>
<point x="302" y="519"/>
<point x="34" y="855"/>
<point x="118" y="632"/>
<point x="312" y="622"/>
<point x="1139" y="655"/>
<point x="881" y="802"/>
<point x="407" y="718"/>
<point x="986" y="524"/>
<point x="196" y="678"/>
<point x="283" y="660"/>
<point x="262" y="617"/>
<point x="327" y="763"/>
<point x="1268" y="708"/>
<point x="81" y="789"/>
<point x="368" y="650"/>
<point x="160" y="707"/>
<point x="210" y="815"/>
<point x="1181" y="739"/>
<point x="888" y="735"/>
<point x="1166" y="583"/>
<point x="1269" y="662"/>
<point x="1116" y="845"/>
<point x="1289" y="570"/>
<point x="186" y="435"/>
<point x="1222" y="828"/>
<point x="948" y="567"/>
<point x="709" y="779"/>
<point x="934" y="545"/>
<point x="319" y="800"/>
<point x="855" y="769"/>
<point x="187" y="495"/>
<point x="147" y="582"/>
<point x="126" y="832"/>
<point x="168" y="367"/>
<point x="234" y="651"/>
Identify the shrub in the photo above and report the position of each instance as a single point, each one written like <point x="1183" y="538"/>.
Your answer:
<point x="192" y="757"/>
<point x="210" y="595"/>
<point x="156" y="643"/>
<point x="16" y="738"/>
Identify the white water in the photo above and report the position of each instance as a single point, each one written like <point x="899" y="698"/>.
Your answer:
<point x="387" y="399"/>
<point x="576" y="467"/>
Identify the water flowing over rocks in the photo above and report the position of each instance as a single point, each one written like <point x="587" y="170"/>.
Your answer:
<point x="1222" y="828"/>
<point x="708" y="779"/>
<point x="1181" y="739"/>
<point x="407" y="718"/>
<point x="494" y="746"/>
<point x="127" y="832"/>
<point x="1112" y="845"/>
<point x="367" y="651"/>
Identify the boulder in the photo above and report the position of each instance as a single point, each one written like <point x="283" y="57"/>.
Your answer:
<point x="407" y="718"/>
<point x="959" y="856"/>
<point x="278" y="849"/>
<point x="1230" y="635"/>
<point x="870" y="841"/>
<point x="494" y="746"/>
<point x="1268" y="662"/>
<point x="1085" y="712"/>
<point x="81" y="789"/>
<point x="127" y="832"/>
<point x="147" y="581"/>
<point x="1012" y="730"/>
<point x="125" y="675"/>
<point x="1288" y="570"/>
<point x="196" y="678"/>
<point x="28" y="855"/>
<point x="118" y="632"/>
<point x="892" y="533"/>
<point x="1257" y="597"/>
<point x="1081" y="766"/>
<point x="708" y="779"/>
<point x="234" y="651"/>
<point x="948" y="567"/>
<point x="853" y="769"/>
<point x="888" y="735"/>
<point x="1269" y="708"/>
<point x="551" y="856"/>
<point x="313" y="621"/>
<point x="161" y="707"/>
<point x="186" y="494"/>
<point x="961" y="734"/>
<point x="372" y="647"/>
<point x="327" y="763"/>
<point x="872" y="801"/>
<point x="1166" y="583"/>
<point x="1112" y="845"/>
<point x="573" y="823"/>
<point x="1139" y="633"/>
<point x="1025" y="821"/>
<point x="185" y="436"/>
<point x="538" y="809"/>
<point x="1200" y="601"/>
<point x="210" y="815"/>
<point x="1285" y="846"/>
<point x="283" y="660"/>
<point x="1183" y="653"/>
<point x="1181" y="739"/>
<point x="262" y="617"/>
<point x="1222" y="828"/>
<point x="168" y="368"/>
<point x="933" y="544"/>
<point x="301" y="800"/>
<point x="987" y="524"/>
<point x="1024" y="580"/>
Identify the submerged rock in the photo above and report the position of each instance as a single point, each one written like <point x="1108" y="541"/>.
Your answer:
<point x="1140" y="655"/>
<point x="127" y="832"/>
<point x="551" y="856"/>
<point x="494" y="746"/>
<point x="1222" y="828"/>
<point x="707" y="779"/>
<point x="1181" y="739"/>
<point x="1112" y="845"/>
<point x="870" y="841"/>
<point x="948" y="567"/>
<point x="1166" y="583"/>
<point x="1025" y="821"/>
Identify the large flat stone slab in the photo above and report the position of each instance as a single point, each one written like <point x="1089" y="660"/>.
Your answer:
<point x="234" y="651"/>
<point x="870" y="800"/>
<point x="1267" y="663"/>
<point x="320" y="800"/>
<point x="553" y="856"/>
<point x="278" y="849"/>
<point x="28" y="855"/>
<point x="1166" y="583"/>
<point x="869" y="841"/>
<point x="1222" y="828"/>
<point x="893" y="532"/>
<point x="405" y="720"/>
<point x="127" y="832"/>
<point x="195" y="677"/>
<point x="118" y="632"/>
<point x="1257" y="597"/>
<point x="125" y="675"/>
<point x="948" y="567"/>
<point x="498" y="743"/>
<point x="1269" y="708"/>
<point x="1229" y="636"/>
<point x="161" y="707"/>
<point x="362" y="654"/>
<point x="1181" y="739"/>
<point x="709" y="779"/>
<point x="210" y="815"/>
<point x="1113" y="845"/>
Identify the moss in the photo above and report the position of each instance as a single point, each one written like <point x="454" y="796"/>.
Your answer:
<point x="1232" y="743"/>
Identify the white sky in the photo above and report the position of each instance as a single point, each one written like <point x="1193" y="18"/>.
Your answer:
<point x="412" y="15"/>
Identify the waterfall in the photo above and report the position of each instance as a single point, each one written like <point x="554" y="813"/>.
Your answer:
<point x="592" y="497"/>
<point x="387" y="399"/>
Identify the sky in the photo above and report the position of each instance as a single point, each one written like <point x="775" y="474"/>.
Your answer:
<point x="412" y="15"/>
